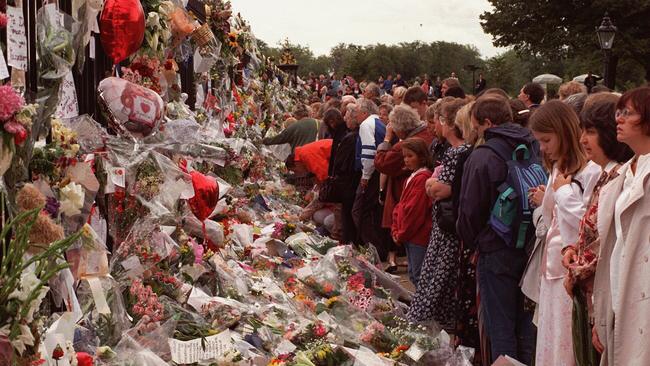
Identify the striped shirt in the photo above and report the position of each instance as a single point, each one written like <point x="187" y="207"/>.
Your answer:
<point x="371" y="133"/>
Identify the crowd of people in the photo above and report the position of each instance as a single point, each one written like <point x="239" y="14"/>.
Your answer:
<point x="536" y="207"/>
<point x="325" y="87"/>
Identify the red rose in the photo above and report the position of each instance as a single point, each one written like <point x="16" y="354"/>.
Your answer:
<point x="20" y="137"/>
<point x="320" y="331"/>
<point x="58" y="353"/>
<point x="84" y="359"/>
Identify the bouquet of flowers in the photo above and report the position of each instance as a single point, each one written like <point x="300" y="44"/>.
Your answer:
<point x="219" y="14"/>
<point x="157" y="34"/>
<point x="283" y="230"/>
<point x="220" y="314"/>
<point x="23" y="281"/>
<point x="145" y="71"/>
<point x="303" y="337"/>
<point x="322" y="354"/>
<point x="145" y="302"/>
<point x="15" y="116"/>
<point x="56" y="51"/>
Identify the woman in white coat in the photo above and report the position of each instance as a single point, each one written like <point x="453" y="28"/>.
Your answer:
<point x="622" y="280"/>
<point x="570" y="185"/>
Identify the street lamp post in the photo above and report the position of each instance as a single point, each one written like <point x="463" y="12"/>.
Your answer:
<point x="606" y="33"/>
<point x="473" y="69"/>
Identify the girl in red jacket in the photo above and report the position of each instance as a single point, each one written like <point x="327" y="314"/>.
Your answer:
<point x="412" y="215"/>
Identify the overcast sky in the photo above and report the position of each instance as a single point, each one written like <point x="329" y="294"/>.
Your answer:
<point x="322" y="24"/>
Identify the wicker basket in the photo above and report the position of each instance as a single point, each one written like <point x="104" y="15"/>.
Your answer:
<point x="202" y="35"/>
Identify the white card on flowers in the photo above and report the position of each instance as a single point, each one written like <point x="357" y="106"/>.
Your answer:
<point x="16" y="38"/>
<point x="68" y="106"/>
<point x="4" y="72"/>
<point x="193" y="351"/>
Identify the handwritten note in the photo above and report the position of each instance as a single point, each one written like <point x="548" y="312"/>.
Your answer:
<point x="67" y="107"/>
<point x="4" y="73"/>
<point x="16" y="38"/>
<point x="415" y="352"/>
<point x="192" y="351"/>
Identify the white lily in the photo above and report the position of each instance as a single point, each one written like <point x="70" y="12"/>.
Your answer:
<point x="72" y="199"/>
<point x="26" y="338"/>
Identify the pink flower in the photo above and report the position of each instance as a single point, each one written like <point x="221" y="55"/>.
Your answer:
<point x="320" y="331"/>
<point x="3" y="20"/>
<point x="356" y="282"/>
<point x="13" y="127"/>
<point x="10" y="103"/>
<point x="198" y="251"/>
<point x="16" y="129"/>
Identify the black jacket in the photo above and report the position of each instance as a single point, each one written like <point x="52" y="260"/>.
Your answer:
<point x="344" y="165"/>
<point x="483" y="172"/>
<point x="337" y="136"/>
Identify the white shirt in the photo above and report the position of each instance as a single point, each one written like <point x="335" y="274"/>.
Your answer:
<point x="562" y="212"/>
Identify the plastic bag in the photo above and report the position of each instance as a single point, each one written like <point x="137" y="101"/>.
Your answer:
<point x="55" y="47"/>
<point x="91" y="136"/>
<point x="213" y="230"/>
<point x="107" y="327"/>
<point x="158" y="183"/>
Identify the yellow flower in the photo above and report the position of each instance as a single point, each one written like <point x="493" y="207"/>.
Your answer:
<point x="331" y="301"/>
<point x="232" y="39"/>
<point x="321" y="355"/>
<point x="86" y="231"/>
<point x="74" y="149"/>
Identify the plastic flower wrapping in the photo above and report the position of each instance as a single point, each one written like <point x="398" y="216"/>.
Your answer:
<point x="170" y="236"/>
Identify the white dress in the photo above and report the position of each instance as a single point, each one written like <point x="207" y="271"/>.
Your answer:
<point x="562" y="211"/>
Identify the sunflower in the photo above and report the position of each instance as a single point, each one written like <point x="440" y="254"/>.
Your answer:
<point x="232" y="39"/>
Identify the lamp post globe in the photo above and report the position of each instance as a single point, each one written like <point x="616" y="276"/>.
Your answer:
<point x="606" y="33"/>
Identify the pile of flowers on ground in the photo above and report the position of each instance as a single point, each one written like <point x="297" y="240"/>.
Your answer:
<point x="180" y="243"/>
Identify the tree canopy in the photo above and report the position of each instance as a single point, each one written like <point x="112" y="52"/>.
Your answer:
<point x="413" y="59"/>
<point x="560" y="29"/>
<point x="509" y="70"/>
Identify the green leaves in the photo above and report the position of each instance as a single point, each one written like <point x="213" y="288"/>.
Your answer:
<point x="411" y="59"/>
<point x="559" y="29"/>
<point x="15" y="262"/>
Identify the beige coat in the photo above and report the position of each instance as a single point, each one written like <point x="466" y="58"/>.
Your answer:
<point x="626" y="339"/>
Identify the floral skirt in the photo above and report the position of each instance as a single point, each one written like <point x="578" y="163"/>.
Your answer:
<point x="435" y="297"/>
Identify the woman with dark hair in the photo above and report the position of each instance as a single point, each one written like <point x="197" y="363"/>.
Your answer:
<point x="520" y="113"/>
<point x="333" y="119"/>
<point x="342" y="169"/>
<point x="580" y="259"/>
<point x="435" y="297"/>
<point x="621" y="283"/>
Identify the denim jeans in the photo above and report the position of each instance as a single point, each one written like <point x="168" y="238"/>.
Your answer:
<point x="509" y="327"/>
<point x="415" y="256"/>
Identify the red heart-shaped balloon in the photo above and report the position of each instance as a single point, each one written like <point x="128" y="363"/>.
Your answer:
<point x="121" y="28"/>
<point x="206" y="195"/>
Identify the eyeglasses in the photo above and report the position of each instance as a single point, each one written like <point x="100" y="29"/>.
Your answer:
<point x="624" y="113"/>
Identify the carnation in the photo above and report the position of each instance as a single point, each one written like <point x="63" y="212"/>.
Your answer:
<point x="3" y="20"/>
<point x="12" y="102"/>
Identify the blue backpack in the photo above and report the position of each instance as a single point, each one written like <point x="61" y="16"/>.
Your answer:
<point x="511" y="217"/>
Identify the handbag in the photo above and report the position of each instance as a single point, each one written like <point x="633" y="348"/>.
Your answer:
<point x="530" y="282"/>
<point x="331" y="190"/>
<point x="445" y="216"/>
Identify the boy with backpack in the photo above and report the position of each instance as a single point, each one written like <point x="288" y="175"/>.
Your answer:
<point x="495" y="217"/>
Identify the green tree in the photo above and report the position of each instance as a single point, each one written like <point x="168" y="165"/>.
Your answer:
<point x="557" y="29"/>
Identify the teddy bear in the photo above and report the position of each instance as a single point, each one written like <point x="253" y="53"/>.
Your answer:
<point x="44" y="231"/>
